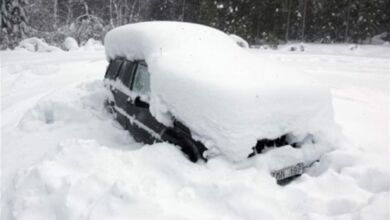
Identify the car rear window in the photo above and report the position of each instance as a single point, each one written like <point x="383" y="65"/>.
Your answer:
<point x="113" y="68"/>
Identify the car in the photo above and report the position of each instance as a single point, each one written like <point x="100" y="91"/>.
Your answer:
<point x="192" y="86"/>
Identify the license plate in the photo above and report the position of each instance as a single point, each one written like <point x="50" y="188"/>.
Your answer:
<point x="288" y="171"/>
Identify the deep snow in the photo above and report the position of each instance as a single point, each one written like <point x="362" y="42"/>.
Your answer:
<point x="64" y="157"/>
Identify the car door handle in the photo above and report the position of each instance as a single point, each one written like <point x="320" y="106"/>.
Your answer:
<point x="129" y="101"/>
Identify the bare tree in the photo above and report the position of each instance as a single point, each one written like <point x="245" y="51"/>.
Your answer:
<point x="304" y="20"/>
<point x="85" y="7"/>
<point x="69" y="12"/>
<point x="132" y="14"/>
<point x="347" y="22"/>
<point x="183" y="10"/>
<point x="111" y="16"/>
<point x="288" y="20"/>
<point x="55" y="13"/>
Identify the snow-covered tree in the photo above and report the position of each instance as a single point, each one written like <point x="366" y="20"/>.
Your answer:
<point x="13" y="22"/>
<point x="258" y="21"/>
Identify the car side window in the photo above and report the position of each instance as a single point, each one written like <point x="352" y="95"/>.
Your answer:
<point x="141" y="82"/>
<point x="113" y="68"/>
<point x="126" y="72"/>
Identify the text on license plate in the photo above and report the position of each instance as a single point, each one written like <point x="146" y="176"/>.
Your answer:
<point x="288" y="171"/>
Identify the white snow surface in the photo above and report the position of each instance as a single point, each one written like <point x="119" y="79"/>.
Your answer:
<point x="70" y="44"/>
<point x="204" y="79"/>
<point x="36" y="45"/>
<point x="93" y="44"/>
<point x="63" y="157"/>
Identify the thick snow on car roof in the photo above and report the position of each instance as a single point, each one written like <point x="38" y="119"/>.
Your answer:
<point x="138" y="41"/>
<point x="225" y="95"/>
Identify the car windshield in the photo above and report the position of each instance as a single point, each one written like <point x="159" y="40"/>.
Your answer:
<point x="142" y="80"/>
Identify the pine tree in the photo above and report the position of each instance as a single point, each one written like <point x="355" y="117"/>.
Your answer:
<point x="13" y="22"/>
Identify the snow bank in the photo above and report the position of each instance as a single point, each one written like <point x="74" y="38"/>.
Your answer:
<point x="71" y="44"/>
<point x="37" y="45"/>
<point x="83" y="165"/>
<point x="84" y="180"/>
<point x="93" y="44"/>
<point x="335" y="49"/>
<point x="227" y="97"/>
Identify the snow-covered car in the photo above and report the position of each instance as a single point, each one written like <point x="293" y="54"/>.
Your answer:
<point x="193" y="86"/>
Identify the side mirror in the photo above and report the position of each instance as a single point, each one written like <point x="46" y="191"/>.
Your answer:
<point x="139" y="103"/>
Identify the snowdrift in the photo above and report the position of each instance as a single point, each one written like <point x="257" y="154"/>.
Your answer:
<point x="93" y="44"/>
<point x="63" y="157"/>
<point x="37" y="45"/>
<point x="70" y="44"/>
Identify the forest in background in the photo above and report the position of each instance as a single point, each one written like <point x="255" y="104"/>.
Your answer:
<point x="258" y="21"/>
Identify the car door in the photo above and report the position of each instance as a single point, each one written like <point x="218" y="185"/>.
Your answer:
<point x="121" y="91"/>
<point x="110" y="76"/>
<point x="144" y="127"/>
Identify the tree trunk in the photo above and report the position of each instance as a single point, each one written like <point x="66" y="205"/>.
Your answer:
<point x="183" y="10"/>
<point x="116" y="13"/>
<point x="69" y="12"/>
<point x="86" y="8"/>
<point x="304" y="20"/>
<point x="111" y="19"/>
<point x="288" y="20"/>
<point x="347" y="22"/>
<point x="1" y="19"/>
<point x="55" y="13"/>
<point x="132" y="11"/>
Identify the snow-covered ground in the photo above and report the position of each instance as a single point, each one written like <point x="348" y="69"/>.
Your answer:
<point x="64" y="157"/>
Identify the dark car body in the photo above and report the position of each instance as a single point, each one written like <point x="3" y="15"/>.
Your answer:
<point x="132" y="111"/>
